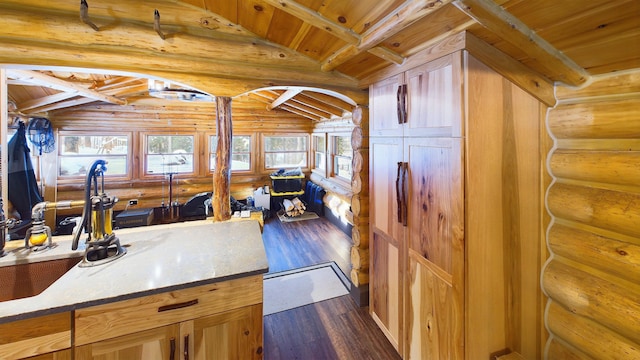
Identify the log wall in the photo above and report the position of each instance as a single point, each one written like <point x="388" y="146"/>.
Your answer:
<point x="174" y="118"/>
<point x="592" y="277"/>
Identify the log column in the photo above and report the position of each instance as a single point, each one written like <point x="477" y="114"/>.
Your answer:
<point x="222" y="175"/>
<point x="592" y="276"/>
<point x="360" y="199"/>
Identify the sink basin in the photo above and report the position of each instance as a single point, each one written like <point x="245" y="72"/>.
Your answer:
<point x="26" y="280"/>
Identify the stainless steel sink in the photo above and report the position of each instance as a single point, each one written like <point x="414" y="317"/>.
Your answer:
<point x="26" y="280"/>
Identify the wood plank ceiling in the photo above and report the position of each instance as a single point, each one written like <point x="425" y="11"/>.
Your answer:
<point x="564" y="41"/>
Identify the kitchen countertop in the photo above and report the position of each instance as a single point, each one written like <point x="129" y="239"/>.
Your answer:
<point x="159" y="258"/>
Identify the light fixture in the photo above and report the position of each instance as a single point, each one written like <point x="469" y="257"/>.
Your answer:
<point x="166" y="90"/>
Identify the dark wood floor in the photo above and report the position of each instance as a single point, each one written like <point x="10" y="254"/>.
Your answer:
<point x="331" y="329"/>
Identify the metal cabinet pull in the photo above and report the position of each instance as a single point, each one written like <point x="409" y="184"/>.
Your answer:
<point x="172" y="349"/>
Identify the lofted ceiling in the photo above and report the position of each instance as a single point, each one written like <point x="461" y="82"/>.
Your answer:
<point x="336" y="44"/>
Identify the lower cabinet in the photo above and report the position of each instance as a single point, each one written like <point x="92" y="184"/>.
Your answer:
<point x="57" y="355"/>
<point x="216" y="321"/>
<point x="234" y="334"/>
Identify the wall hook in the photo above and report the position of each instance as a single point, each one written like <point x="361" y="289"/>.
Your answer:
<point x="156" y="23"/>
<point x="84" y="15"/>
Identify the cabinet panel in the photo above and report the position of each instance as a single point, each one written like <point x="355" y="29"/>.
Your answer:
<point x="155" y="343"/>
<point x="385" y="154"/>
<point x="435" y="204"/>
<point x="431" y="318"/>
<point x="385" y="283"/>
<point x="383" y="100"/>
<point x="434" y="98"/>
<point x="235" y="334"/>
<point x="435" y="290"/>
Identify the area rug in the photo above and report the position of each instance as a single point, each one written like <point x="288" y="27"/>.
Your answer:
<point x="306" y="216"/>
<point x="291" y="289"/>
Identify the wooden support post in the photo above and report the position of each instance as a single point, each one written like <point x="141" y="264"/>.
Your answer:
<point x="222" y="175"/>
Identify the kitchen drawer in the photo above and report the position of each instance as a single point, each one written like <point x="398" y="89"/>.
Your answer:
<point x="119" y="318"/>
<point x="40" y="335"/>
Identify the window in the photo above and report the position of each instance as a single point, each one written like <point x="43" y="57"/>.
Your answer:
<point x="320" y="152"/>
<point x="169" y="154"/>
<point x="285" y="152"/>
<point x="341" y="154"/>
<point x="240" y="152"/>
<point x="78" y="152"/>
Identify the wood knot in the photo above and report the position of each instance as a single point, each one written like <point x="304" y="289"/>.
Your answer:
<point x="246" y="332"/>
<point x="258" y="8"/>
<point x="396" y="44"/>
<point x="342" y="19"/>
<point x="622" y="252"/>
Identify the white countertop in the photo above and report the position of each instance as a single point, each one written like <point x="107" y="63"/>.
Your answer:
<point x="159" y="258"/>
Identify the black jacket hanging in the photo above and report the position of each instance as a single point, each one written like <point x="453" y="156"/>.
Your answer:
<point x="23" y="188"/>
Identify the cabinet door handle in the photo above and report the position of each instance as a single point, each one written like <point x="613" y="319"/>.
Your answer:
<point x="186" y="347"/>
<point x="405" y="108"/>
<point x="399" y="105"/>
<point x="172" y="349"/>
<point x="178" y="305"/>
<point x="405" y="192"/>
<point x="398" y="187"/>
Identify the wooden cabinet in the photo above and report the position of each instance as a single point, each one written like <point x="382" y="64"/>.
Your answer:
<point x="216" y="321"/>
<point x="449" y="163"/>
<point x="47" y="336"/>
<point x="158" y="343"/>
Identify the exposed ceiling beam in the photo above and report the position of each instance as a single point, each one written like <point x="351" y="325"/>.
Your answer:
<point x="396" y="21"/>
<point x="268" y="97"/>
<point x="317" y="20"/>
<point x="509" y="28"/>
<point x="27" y="106"/>
<point x="41" y="79"/>
<point x="286" y="96"/>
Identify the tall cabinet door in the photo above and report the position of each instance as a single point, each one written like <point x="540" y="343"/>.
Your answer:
<point x="384" y="117"/>
<point x="386" y="232"/>
<point x="434" y="98"/>
<point x="434" y="306"/>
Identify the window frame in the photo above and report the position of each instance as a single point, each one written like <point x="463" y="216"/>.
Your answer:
<point x="74" y="178"/>
<point x="332" y="156"/>
<point x="144" y="139"/>
<point x="252" y="153"/>
<point x="315" y="152"/>
<point x="265" y="152"/>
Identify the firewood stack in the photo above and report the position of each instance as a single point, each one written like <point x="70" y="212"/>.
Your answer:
<point x="293" y="207"/>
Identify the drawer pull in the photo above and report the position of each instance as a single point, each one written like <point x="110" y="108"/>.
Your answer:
<point x="178" y="305"/>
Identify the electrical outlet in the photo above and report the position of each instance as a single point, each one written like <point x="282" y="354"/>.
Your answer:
<point x="133" y="202"/>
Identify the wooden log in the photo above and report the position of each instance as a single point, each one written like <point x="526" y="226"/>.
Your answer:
<point x="611" y="167"/>
<point x="359" y="277"/>
<point x="561" y="350"/>
<point x="356" y="138"/>
<point x="598" y="120"/>
<point x="222" y="174"/>
<point x="340" y="191"/>
<point x="359" y="257"/>
<point x="356" y="117"/>
<point x="360" y="233"/>
<point x="606" y="254"/>
<point x="580" y="333"/>
<point x="611" y="210"/>
<point x="610" y="305"/>
<point x="615" y="84"/>
<point x="360" y="206"/>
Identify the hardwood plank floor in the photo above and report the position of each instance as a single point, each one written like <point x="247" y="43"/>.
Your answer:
<point x="298" y="244"/>
<point x="327" y="330"/>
